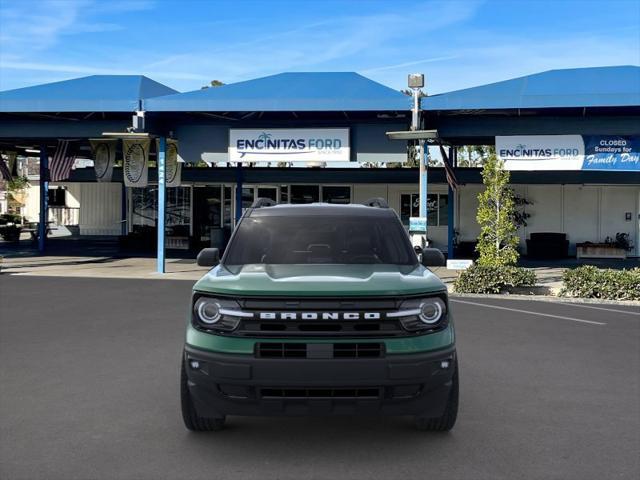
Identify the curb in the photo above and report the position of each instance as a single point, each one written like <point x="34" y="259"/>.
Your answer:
<point x="548" y="298"/>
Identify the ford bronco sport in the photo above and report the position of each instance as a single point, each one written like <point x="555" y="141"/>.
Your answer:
<point x="319" y="309"/>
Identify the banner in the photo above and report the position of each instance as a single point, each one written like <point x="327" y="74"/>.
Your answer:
<point x="541" y="152"/>
<point x="173" y="167"/>
<point x="569" y="152"/>
<point x="136" y="161"/>
<point x="610" y="152"/>
<point x="289" y="144"/>
<point x="104" y="157"/>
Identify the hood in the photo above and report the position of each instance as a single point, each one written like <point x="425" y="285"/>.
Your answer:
<point x="320" y="280"/>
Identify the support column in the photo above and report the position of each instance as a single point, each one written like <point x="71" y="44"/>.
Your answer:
<point x="162" y="148"/>
<point x="44" y="198"/>
<point x="423" y="155"/>
<point x="239" y="180"/>
<point x="450" y="207"/>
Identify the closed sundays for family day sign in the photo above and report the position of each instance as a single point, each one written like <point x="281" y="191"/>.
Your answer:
<point x="569" y="152"/>
<point x="289" y="145"/>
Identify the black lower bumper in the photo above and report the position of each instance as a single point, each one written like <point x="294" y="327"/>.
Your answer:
<point x="225" y="384"/>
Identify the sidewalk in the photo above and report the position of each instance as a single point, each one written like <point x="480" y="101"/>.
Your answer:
<point x="549" y="278"/>
<point x="102" y="267"/>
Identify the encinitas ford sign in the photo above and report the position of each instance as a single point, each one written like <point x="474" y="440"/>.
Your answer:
<point x="569" y="152"/>
<point x="289" y="145"/>
<point x="541" y="152"/>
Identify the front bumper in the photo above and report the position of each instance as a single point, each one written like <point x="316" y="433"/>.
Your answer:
<point x="230" y="384"/>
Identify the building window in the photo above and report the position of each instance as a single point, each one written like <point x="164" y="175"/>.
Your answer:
<point x="437" y="212"/>
<point x="57" y="197"/>
<point x="144" y="206"/>
<point x="409" y="207"/>
<point x="305" y="193"/>
<point x="178" y="206"/>
<point x="284" y="193"/>
<point x="336" y="194"/>
<point x="227" y="209"/>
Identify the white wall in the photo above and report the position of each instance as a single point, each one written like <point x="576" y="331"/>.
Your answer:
<point x="100" y="208"/>
<point x="581" y="214"/>
<point x="584" y="213"/>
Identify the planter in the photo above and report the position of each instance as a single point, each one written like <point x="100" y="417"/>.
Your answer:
<point x="10" y="233"/>
<point x="599" y="250"/>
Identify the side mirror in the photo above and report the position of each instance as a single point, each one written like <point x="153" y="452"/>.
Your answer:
<point x="208" y="257"/>
<point x="432" y="257"/>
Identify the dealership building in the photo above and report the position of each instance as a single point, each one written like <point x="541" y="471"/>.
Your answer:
<point x="570" y="137"/>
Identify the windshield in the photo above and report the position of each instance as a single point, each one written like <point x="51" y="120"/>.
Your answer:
<point x="320" y="240"/>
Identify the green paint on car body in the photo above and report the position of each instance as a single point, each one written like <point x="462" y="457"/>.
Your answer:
<point x="320" y="281"/>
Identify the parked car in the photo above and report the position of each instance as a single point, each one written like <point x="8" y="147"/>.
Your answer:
<point x="319" y="310"/>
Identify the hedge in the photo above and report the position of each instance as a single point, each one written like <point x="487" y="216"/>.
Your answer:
<point x="592" y="282"/>
<point x="483" y="279"/>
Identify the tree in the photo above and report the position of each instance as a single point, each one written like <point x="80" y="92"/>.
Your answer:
<point x="474" y="155"/>
<point x="497" y="243"/>
<point x="213" y="83"/>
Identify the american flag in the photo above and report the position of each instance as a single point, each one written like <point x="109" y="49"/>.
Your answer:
<point x="448" y="169"/>
<point x="61" y="162"/>
<point x="4" y="170"/>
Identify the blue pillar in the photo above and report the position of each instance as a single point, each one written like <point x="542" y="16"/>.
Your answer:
<point x="451" y="206"/>
<point x="162" y="191"/>
<point x="238" y="192"/>
<point x="44" y="198"/>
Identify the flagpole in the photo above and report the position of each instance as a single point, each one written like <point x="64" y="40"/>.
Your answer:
<point x="44" y="198"/>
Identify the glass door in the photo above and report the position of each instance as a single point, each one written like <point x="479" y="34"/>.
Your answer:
<point x="207" y="215"/>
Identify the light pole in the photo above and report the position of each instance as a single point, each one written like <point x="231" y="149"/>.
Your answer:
<point x="416" y="83"/>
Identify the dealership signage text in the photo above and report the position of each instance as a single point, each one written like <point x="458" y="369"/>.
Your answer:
<point x="285" y="145"/>
<point x="569" y="152"/>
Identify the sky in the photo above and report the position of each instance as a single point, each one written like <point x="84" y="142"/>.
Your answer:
<point x="186" y="44"/>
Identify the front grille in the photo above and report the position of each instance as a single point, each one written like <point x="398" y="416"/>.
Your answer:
<point x="281" y="350"/>
<point x="383" y="327"/>
<point x="358" y="350"/>
<point x="320" y="392"/>
<point x="265" y="328"/>
<point x="319" y="350"/>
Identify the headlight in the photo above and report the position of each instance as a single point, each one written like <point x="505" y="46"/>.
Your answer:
<point x="432" y="310"/>
<point x="217" y="314"/>
<point x="422" y="313"/>
<point x="208" y="310"/>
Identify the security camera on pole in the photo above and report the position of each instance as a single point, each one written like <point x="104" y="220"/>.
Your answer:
<point x="418" y="225"/>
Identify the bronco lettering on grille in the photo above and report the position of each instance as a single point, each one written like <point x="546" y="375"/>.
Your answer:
<point x="320" y="316"/>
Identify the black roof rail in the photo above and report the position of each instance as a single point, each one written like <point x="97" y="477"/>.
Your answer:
<point x="263" y="202"/>
<point x="377" y="202"/>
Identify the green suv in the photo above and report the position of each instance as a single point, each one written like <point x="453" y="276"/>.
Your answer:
<point x="319" y="309"/>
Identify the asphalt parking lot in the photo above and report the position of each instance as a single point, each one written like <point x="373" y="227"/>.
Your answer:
<point x="89" y="390"/>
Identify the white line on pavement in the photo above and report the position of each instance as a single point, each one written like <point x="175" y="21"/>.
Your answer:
<point x="527" y="311"/>
<point x="600" y="308"/>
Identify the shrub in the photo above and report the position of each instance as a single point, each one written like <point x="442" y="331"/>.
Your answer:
<point x="483" y="279"/>
<point x="592" y="282"/>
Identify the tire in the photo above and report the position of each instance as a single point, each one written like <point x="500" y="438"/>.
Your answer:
<point x="445" y="422"/>
<point x="192" y="420"/>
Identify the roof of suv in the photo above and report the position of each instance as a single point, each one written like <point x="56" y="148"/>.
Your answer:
<point x="352" y="209"/>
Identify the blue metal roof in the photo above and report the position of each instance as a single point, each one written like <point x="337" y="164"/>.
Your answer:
<point x="285" y="92"/>
<point x="96" y="93"/>
<point x="577" y="87"/>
